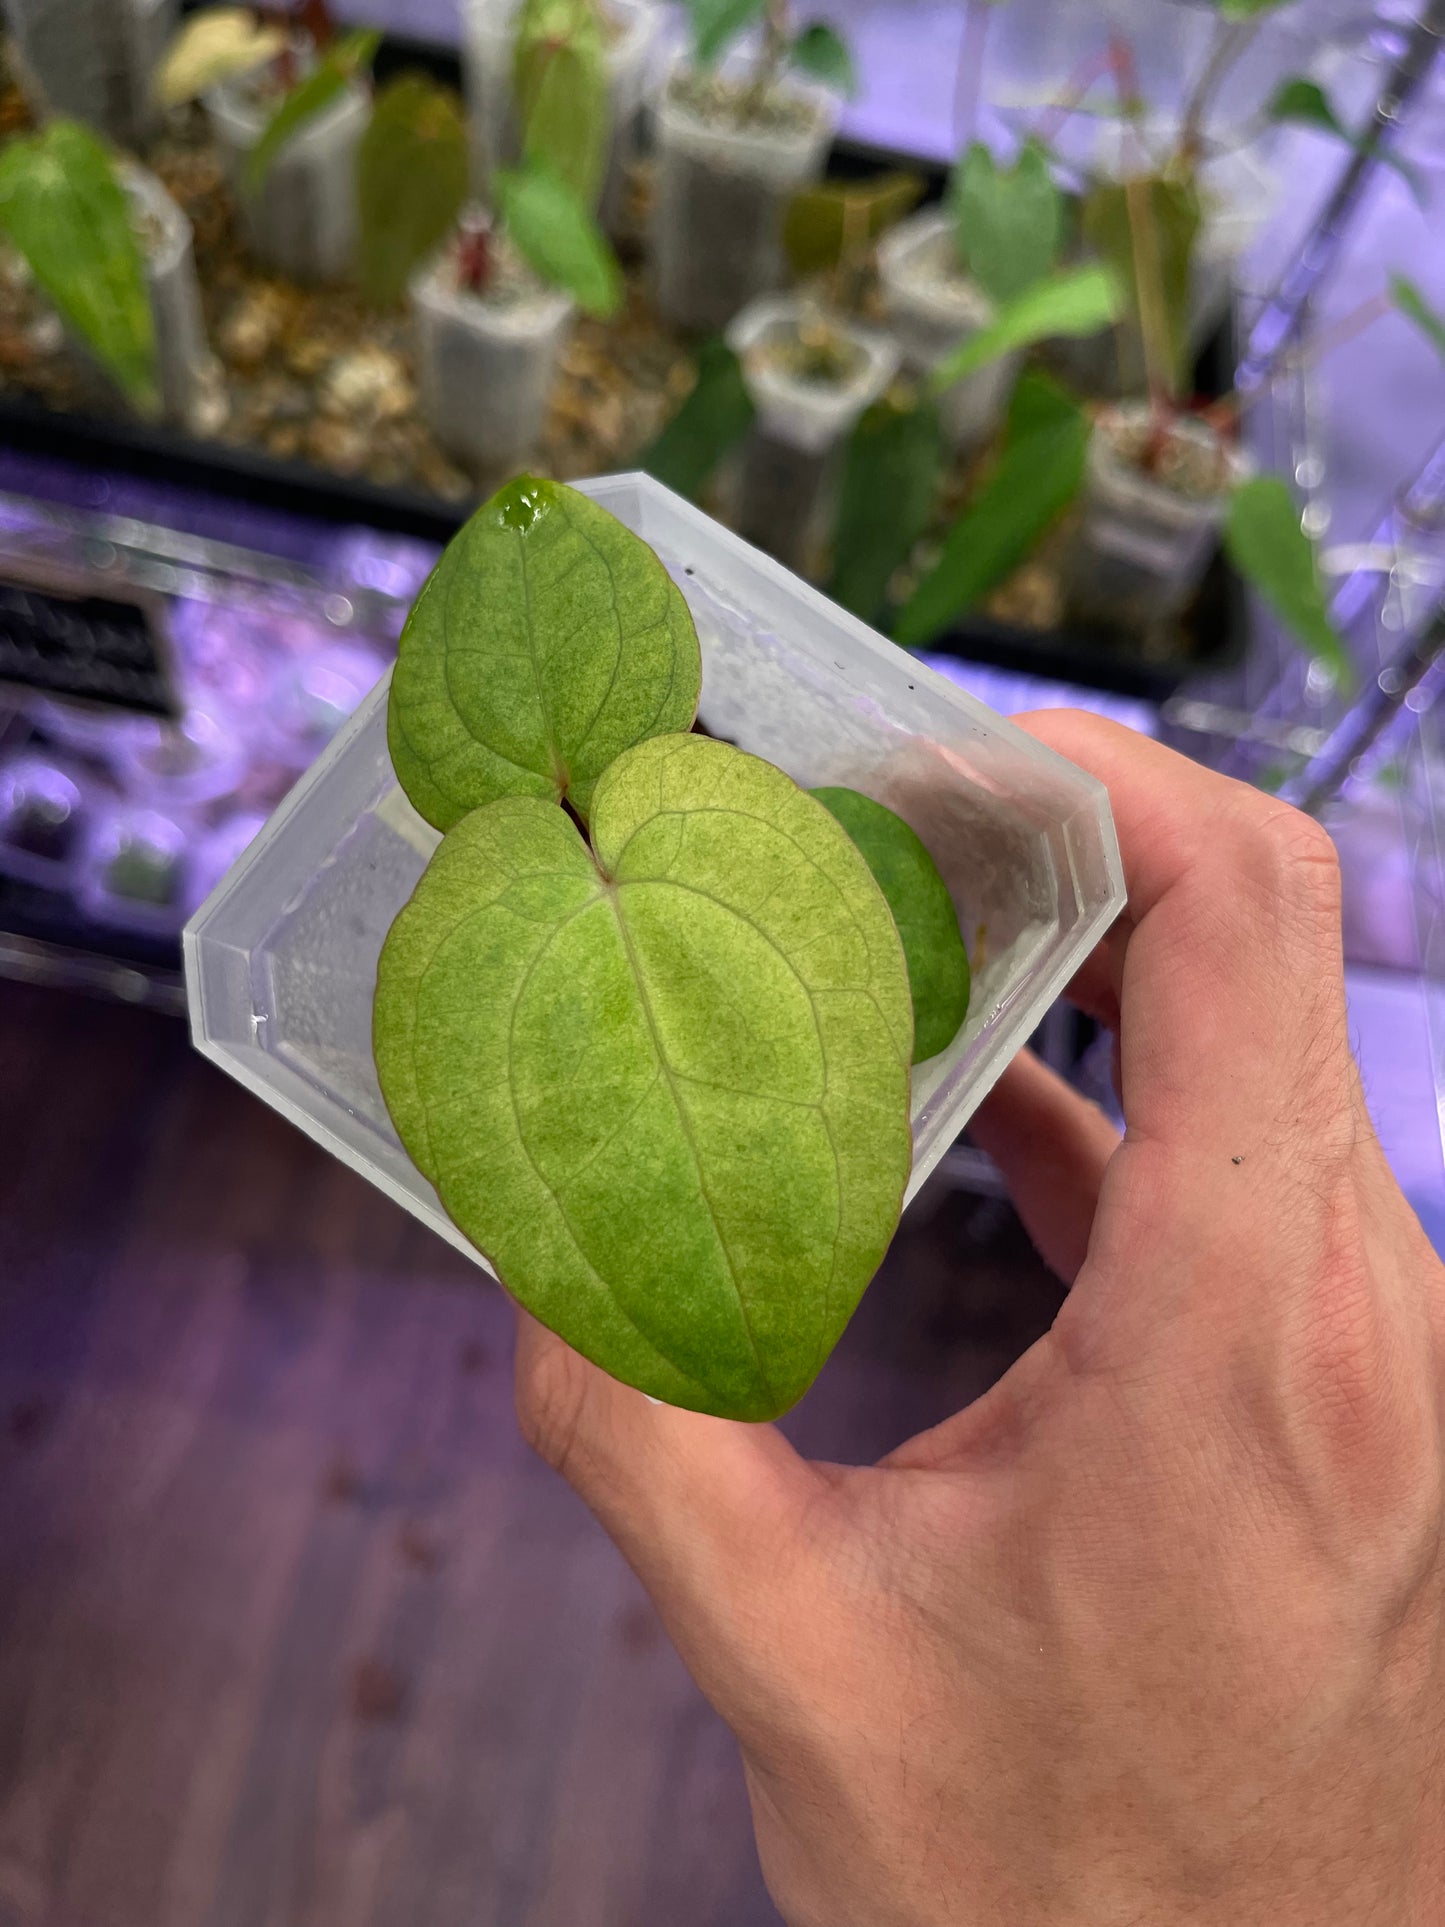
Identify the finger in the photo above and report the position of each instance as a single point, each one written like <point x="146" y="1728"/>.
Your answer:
<point x="1052" y="1146"/>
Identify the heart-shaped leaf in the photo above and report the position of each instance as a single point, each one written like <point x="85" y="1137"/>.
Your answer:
<point x="548" y="639"/>
<point x="1076" y="301"/>
<point x="716" y="414"/>
<point x="938" y="972"/>
<point x="560" y="85"/>
<point x="411" y="183"/>
<point x="344" y="61"/>
<point x="717" y="23"/>
<point x="665" y="1090"/>
<point x="1009" y="220"/>
<point x="1266" y="542"/>
<point x="555" y="234"/>
<point x="821" y="52"/>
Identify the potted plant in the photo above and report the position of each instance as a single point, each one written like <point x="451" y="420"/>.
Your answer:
<point x="93" y="60"/>
<point x="735" y="142"/>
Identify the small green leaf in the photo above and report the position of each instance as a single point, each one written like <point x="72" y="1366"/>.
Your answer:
<point x="890" y="481"/>
<point x="560" y="80"/>
<point x="1249" y="9"/>
<point x="821" y="52"/>
<point x="824" y="222"/>
<point x="63" y="207"/>
<point x="555" y="234"/>
<point x="664" y="1089"/>
<point x="1413" y="305"/>
<point x="1036" y="478"/>
<point x="1268" y="546"/>
<point x="411" y="183"/>
<point x="1076" y="301"/>
<point x="716" y="24"/>
<point x="1301" y="102"/>
<point x="716" y="415"/>
<point x="938" y="973"/>
<point x="338" y="68"/>
<point x="548" y="639"/>
<point x="1009" y="220"/>
<point x="1173" y="210"/>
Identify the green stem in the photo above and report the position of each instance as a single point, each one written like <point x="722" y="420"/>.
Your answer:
<point x="772" y="58"/>
<point x="1231" y="37"/>
<point x="1144" y="250"/>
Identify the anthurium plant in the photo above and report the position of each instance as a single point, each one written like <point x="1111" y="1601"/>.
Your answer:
<point x="816" y="49"/>
<point x="647" y="1021"/>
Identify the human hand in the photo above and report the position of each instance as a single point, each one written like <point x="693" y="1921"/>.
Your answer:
<point x="1152" y="1634"/>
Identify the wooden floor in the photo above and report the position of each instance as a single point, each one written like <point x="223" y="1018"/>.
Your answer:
<point x="293" y="1632"/>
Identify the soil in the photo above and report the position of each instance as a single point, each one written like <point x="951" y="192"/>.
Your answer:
<point x="734" y="101"/>
<point x="1189" y="468"/>
<point x="812" y="353"/>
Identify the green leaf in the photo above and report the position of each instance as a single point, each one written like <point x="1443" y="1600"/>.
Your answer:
<point x="1076" y="301"/>
<point x="821" y="52"/>
<point x="556" y="235"/>
<point x="716" y="24"/>
<point x="411" y="183"/>
<point x="713" y="419"/>
<point x="1009" y="220"/>
<point x="1174" y="215"/>
<point x="824" y="223"/>
<point x="890" y="480"/>
<point x="1036" y="478"/>
<point x="665" y="1090"/>
<point x="1266" y="543"/>
<point x="548" y="639"/>
<point x="1301" y="102"/>
<point x="938" y="973"/>
<point x="1413" y="305"/>
<point x="560" y="79"/>
<point x="63" y="207"/>
<point x="1249" y="9"/>
<point x="336" y="70"/>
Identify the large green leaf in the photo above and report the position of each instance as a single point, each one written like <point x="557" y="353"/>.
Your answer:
<point x="1075" y="301"/>
<point x="821" y="52"/>
<point x="560" y="80"/>
<point x="546" y="641"/>
<point x="1413" y="305"/>
<point x="716" y="24"/>
<point x="553" y="231"/>
<point x="1267" y="544"/>
<point x="411" y="182"/>
<point x="890" y="480"/>
<point x="938" y="972"/>
<point x="1009" y="220"/>
<point x="1171" y="207"/>
<point x="713" y="419"/>
<point x="1033" y="482"/>
<point x="63" y="207"/>
<point x="344" y="61"/>
<point x="665" y="1090"/>
<point x="823" y="223"/>
<point x="1301" y="102"/>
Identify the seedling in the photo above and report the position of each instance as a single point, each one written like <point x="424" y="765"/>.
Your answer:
<point x="647" y="1021"/>
<point x="817" y="49"/>
<point x="412" y="183"/>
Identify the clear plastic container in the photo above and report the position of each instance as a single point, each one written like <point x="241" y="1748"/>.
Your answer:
<point x="789" y="462"/>
<point x="1139" y="547"/>
<point x="484" y="369"/>
<point x="281" y="960"/>
<point x="45" y="805"/>
<point x="186" y="366"/>
<point x="135" y="869"/>
<point x="302" y="221"/>
<point x="198" y="759"/>
<point x="720" y="197"/>
<point x="933" y="309"/>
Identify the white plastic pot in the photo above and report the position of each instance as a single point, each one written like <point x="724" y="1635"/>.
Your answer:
<point x="185" y="364"/>
<point x="96" y="59"/>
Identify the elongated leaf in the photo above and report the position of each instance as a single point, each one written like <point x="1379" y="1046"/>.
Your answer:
<point x="821" y="52"/>
<point x="1247" y="9"/>
<point x="713" y="419"/>
<point x="1266" y="543"/>
<point x="1009" y="220"/>
<point x="220" y="44"/>
<point x="1413" y="305"/>
<point x="938" y="973"/>
<point x="824" y="222"/>
<point x="336" y="70"/>
<point x="560" y="80"/>
<point x="1173" y="211"/>
<point x="1076" y="301"/>
<point x="890" y="479"/>
<point x="716" y="24"/>
<point x="666" y="1092"/>
<point x="547" y="640"/>
<point x="1034" y="481"/>
<point x="556" y="235"/>
<point x="64" y="209"/>
<point x="1301" y="102"/>
<point x="411" y="183"/>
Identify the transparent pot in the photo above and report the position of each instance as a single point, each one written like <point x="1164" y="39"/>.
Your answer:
<point x="788" y="470"/>
<point x="185" y="365"/>
<point x="484" y="369"/>
<point x="45" y="808"/>
<point x="135" y="869"/>
<point x="96" y="59"/>
<point x="1139" y="548"/>
<point x="720" y="196"/>
<point x="302" y="220"/>
<point x="933" y="309"/>
<point x="281" y="960"/>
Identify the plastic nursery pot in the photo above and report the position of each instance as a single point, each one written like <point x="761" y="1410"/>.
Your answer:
<point x="96" y="59"/>
<point x="789" y="462"/>
<point x="281" y="960"/>
<point x="722" y="190"/>
<point x="184" y="363"/>
<point x="1141" y="543"/>
<point x="302" y="220"/>
<point x="933" y="308"/>
<point x="198" y="759"/>
<point x="44" y="812"/>
<point x="485" y="366"/>
<point x="135" y="868"/>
